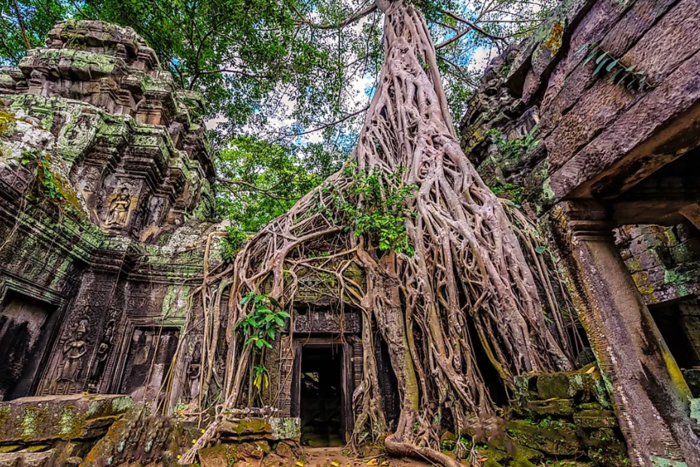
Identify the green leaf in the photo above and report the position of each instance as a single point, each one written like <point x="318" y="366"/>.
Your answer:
<point x="590" y="57"/>
<point x="612" y="78"/>
<point x="600" y="66"/>
<point x="611" y="65"/>
<point x="259" y="343"/>
<point x="605" y="54"/>
<point x="584" y="46"/>
<point x="540" y="249"/>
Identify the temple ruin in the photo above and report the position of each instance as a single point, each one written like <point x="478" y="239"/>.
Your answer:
<point x="108" y="229"/>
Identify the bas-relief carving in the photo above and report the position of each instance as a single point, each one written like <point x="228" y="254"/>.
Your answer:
<point x="316" y="321"/>
<point x="194" y="369"/>
<point x="100" y="362"/>
<point x="74" y="350"/>
<point x="119" y="205"/>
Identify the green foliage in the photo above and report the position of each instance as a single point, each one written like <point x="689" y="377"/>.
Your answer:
<point x="509" y="191"/>
<point x="260" y="180"/>
<point x="47" y="183"/>
<point x="33" y="17"/>
<point x="232" y="243"/>
<point x="261" y="325"/>
<point x="379" y="208"/>
<point x="515" y="148"/>
<point x="621" y="75"/>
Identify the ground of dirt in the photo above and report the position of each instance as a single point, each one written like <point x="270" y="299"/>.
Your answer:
<point x="335" y="457"/>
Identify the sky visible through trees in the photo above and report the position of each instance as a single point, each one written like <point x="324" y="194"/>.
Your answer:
<point x="287" y="82"/>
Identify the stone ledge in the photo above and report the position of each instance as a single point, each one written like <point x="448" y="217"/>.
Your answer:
<point x="32" y="420"/>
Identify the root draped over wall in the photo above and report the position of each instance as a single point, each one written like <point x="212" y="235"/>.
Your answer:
<point x="469" y="270"/>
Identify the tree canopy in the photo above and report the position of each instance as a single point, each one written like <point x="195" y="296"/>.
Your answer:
<point x="292" y="77"/>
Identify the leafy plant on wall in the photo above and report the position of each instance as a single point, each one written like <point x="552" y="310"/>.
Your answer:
<point x="621" y="75"/>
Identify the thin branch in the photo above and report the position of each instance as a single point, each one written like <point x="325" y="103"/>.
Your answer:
<point x="22" y="29"/>
<point x="350" y="19"/>
<point x="452" y="39"/>
<point x="458" y="69"/>
<point x="474" y="26"/>
<point x="322" y="127"/>
<point x="251" y="186"/>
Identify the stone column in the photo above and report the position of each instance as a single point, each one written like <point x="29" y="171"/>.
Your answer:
<point x="648" y="389"/>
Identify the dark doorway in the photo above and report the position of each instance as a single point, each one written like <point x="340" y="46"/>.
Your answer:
<point x="151" y="353"/>
<point x="678" y="328"/>
<point x="321" y="396"/>
<point x="26" y="326"/>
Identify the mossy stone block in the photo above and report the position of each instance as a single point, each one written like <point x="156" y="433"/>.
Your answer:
<point x="595" y="419"/>
<point x="553" y="385"/>
<point x="555" y="407"/>
<point x="549" y="436"/>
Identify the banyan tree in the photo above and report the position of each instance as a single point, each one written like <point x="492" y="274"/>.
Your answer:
<point x="446" y="266"/>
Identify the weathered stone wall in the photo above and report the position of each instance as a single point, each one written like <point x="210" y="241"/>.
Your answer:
<point x="609" y="168"/>
<point x="105" y="200"/>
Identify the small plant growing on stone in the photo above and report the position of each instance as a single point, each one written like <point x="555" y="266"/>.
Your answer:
<point x="262" y="323"/>
<point x="47" y="183"/>
<point x="621" y="75"/>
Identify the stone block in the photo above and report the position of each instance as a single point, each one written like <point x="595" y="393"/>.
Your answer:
<point x="285" y="428"/>
<point x="695" y="410"/>
<point x="555" y="407"/>
<point x="595" y="419"/>
<point x="548" y="436"/>
<point x="605" y="447"/>
<point x="553" y="385"/>
<point x="39" y="419"/>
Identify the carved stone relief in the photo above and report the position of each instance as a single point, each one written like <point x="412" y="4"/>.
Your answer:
<point x="118" y="206"/>
<point x="74" y="350"/>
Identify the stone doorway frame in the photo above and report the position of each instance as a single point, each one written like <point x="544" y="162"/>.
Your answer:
<point x="10" y="282"/>
<point x="346" y="377"/>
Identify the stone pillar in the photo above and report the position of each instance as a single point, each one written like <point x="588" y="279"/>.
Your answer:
<point x="648" y="389"/>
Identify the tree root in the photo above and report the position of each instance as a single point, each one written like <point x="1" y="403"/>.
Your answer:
<point x="398" y="449"/>
<point x="468" y="283"/>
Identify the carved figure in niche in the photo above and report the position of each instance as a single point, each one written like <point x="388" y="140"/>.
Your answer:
<point x="118" y="209"/>
<point x="194" y="369"/>
<point x="98" y="366"/>
<point x="73" y="352"/>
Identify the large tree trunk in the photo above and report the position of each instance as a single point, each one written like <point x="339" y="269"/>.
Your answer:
<point x="468" y="270"/>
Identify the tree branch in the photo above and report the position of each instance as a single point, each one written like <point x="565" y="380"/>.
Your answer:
<point x="452" y="39"/>
<point x="350" y="19"/>
<point x="473" y="26"/>
<point x="322" y="127"/>
<point x="251" y="186"/>
<point x="22" y="30"/>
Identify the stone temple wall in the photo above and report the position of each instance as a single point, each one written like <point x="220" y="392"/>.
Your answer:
<point x="105" y="206"/>
<point x="592" y="127"/>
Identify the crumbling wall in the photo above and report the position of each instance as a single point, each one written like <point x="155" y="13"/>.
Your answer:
<point x="105" y="206"/>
